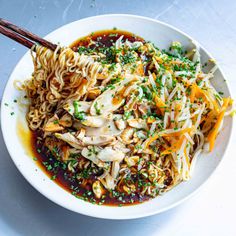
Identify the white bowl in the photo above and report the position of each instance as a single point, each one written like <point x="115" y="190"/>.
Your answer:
<point x="162" y="35"/>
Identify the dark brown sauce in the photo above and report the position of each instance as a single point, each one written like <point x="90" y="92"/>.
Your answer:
<point x="56" y="170"/>
<point x="105" y="38"/>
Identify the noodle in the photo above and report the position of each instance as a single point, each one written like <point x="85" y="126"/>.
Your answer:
<point x="56" y="77"/>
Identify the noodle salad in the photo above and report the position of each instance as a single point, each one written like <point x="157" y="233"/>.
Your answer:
<point x="126" y="122"/>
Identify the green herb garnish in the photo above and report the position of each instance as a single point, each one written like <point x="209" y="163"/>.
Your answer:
<point x="80" y="115"/>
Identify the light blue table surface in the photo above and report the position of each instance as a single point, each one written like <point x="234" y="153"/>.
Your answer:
<point x="24" y="211"/>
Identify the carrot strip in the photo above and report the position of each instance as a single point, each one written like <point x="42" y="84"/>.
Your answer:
<point x="208" y="119"/>
<point x="159" y="60"/>
<point x="208" y="99"/>
<point x="150" y="120"/>
<point x="160" y="104"/>
<point x="168" y="151"/>
<point x="152" y="139"/>
<point x="173" y="134"/>
<point x="175" y="147"/>
<point x="140" y="69"/>
<point x="214" y="131"/>
<point x="193" y="93"/>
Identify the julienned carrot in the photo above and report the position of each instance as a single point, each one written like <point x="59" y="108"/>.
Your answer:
<point x="160" y="104"/>
<point x="199" y="92"/>
<point x="214" y="131"/>
<point x="193" y="93"/>
<point x="173" y="134"/>
<point x="175" y="147"/>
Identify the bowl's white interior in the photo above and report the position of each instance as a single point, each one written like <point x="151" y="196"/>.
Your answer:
<point x="162" y="35"/>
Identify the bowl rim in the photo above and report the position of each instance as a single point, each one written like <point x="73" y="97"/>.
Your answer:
<point x="115" y="217"/>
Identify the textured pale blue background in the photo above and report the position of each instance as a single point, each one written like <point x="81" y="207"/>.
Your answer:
<point x="23" y="211"/>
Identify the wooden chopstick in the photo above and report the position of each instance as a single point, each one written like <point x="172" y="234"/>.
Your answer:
<point x="23" y="36"/>
<point x="11" y="34"/>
